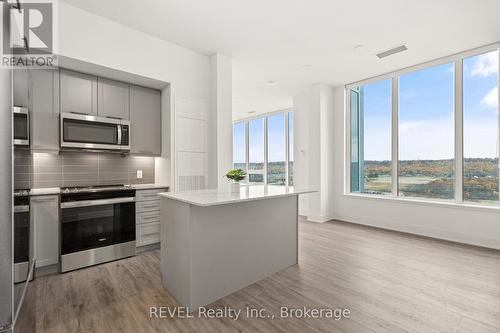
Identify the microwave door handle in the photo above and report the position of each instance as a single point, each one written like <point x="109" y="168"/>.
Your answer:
<point x="119" y="134"/>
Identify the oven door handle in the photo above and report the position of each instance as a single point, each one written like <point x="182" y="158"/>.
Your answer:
<point x="89" y="203"/>
<point x="119" y="134"/>
<point x="22" y="209"/>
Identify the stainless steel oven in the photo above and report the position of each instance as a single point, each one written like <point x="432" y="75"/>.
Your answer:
<point x="21" y="126"/>
<point x="22" y="236"/>
<point x="97" y="225"/>
<point x="90" y="132"/>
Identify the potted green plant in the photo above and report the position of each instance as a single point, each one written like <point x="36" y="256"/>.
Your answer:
<point x="235" y="176"/>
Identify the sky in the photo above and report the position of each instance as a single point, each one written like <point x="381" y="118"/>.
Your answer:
<point x="426" y="112"/>
<point x="276" y="137"/>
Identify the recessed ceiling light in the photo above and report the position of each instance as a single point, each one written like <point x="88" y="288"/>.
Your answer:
<point x="253" y="111"/>
<point x="270" y="82"/>
<point x="392" y="51"/>
<point x="359" y="46"/>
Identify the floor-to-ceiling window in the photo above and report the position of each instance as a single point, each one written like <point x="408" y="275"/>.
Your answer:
<point x="429" y="132"/>
<point x="480" y="105"/>
<point x="264" y="147"/>
<point x="276" y="149"/>
<point x="256" y="150"/>
<point x="239" y="146"/>
<point x="371" y="138"/>
<point x="426" y="133"/>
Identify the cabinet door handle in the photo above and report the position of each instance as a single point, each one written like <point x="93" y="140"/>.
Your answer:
<point x="151" y="217"/>
<point x="149" y="206"/>
<point x="150" y="234"/>
<point x="42" y="199"/>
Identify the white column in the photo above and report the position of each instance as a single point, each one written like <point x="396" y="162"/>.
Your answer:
<point x="313" y="165"/>
<point x="221" y="123"/>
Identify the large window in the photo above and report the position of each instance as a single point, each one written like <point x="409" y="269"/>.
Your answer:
<point x="239" y="146"/>
<point x="429" y="132"/>
<point x="264" y="147"/>
<point x="480" y="98"/>
<point x="256" y="151"/>
<point x="276" y="151"/>
<point x="371" y="138"/>
<point x="426" y="126"/>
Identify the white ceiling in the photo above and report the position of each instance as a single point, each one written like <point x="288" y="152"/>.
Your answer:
<point x="297" y="42"/>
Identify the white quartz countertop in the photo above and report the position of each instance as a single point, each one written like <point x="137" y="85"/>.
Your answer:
<point x="247" y="193"/>
<point x="45" y="191"/>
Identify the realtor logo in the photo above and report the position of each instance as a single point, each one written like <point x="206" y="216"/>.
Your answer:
<point x="29" y="42"/>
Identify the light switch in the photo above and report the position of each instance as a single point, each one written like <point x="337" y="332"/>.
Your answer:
<point x="139" y="174"/>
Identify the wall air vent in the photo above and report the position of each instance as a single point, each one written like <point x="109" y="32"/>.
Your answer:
<point x="392" y="51"/>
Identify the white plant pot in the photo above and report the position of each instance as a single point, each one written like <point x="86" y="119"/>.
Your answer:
<point x="235" y="187"/>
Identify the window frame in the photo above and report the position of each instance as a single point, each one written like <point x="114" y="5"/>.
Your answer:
<point x="457" y="60"/>
<point x="265" y="117"/>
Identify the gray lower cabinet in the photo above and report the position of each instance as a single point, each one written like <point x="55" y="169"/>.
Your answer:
<point x="113" y="99"/>
<point x="44" y="110"/>
<point x="20" y="81"/>
<point x="44" y="213"/>
<point x="145" y="118"/>
<point x="78" y="92"/>
<point x="147" y="211"/>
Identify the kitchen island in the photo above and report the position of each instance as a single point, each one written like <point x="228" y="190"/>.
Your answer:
<point x="214" y="243"/>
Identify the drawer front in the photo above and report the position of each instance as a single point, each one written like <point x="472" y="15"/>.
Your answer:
<point x="146" y="195"/>
<point x="148" y="234"/>
<point x="147" y="217"/>
<point x="147" y="206"/>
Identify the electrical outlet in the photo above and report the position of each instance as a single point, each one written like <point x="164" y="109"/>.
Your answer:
<point x="139" y="174"/>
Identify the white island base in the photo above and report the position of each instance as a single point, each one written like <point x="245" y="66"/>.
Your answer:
<point x="213" y="244"/>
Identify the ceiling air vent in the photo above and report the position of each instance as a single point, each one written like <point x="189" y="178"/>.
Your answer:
<point x="392" y="51"/>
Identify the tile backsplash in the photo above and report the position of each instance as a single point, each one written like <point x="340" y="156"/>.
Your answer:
<point x="39" y="170"/>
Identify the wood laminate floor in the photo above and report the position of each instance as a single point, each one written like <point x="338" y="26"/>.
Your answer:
<point x="391" y="282"/>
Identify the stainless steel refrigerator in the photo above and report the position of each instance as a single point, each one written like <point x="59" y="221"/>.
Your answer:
<point x="6" y="233"/>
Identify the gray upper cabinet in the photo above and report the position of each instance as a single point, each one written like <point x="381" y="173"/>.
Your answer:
<point x="20" y="78"/>
<point x="145" y="119"/>
<point x="113" y="99"/>
<point x="45" y="109"/>
<point x="78" y="92"/>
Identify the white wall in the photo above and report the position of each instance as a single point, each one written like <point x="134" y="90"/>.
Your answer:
<point x="313" y="130"/>
<point x="91" y="38"/>
<point x="471" y="225"/>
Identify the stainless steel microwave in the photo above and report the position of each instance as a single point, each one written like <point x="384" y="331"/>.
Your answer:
<point x="21" y="126"/>
<point x="80" y="131"/>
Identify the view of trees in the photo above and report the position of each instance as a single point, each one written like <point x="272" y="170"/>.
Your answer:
<point x="276" y="172"/>
<point x="434" y="178"/>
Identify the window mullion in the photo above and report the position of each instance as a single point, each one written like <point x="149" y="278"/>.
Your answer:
<point x="394" y="135"/>
<point x="266" y="141"/>
<point x="287" y="148"/>
<point x="498" y="117"/>
<point x="459" y="142"/>
<point x="247" y="149"/>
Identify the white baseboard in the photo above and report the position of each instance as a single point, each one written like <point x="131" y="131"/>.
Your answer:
<point x="319" y="219"/>
<point x="488" y="242"/>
